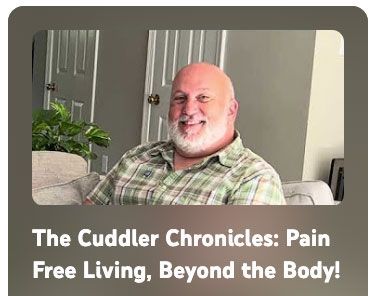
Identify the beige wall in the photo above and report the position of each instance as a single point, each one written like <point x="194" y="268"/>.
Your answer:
<point x="272" y="74"/>
<point x="325" y="132"/>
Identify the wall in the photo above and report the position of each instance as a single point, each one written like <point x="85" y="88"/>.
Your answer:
<point x="271" y="71"/>
<point x="120" y="89"/>
<point x="325" y="135"/>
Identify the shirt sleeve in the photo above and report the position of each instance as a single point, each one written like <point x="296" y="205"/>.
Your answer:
<point x="104" y="192"/>
<point x="263" y="189"/>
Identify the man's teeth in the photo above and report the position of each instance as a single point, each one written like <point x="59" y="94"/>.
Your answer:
<point x="193" y="123"/>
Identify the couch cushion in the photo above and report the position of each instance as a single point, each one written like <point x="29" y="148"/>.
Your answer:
<point x="307" y="193"/>
<point x="52" y="167"/>
<point x="299" y="199"/>
<point x="70" y="193"/>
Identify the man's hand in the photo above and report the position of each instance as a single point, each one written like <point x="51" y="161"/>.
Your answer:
<point x="87" y="202"/>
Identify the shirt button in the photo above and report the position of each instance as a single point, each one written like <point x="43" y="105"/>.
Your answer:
<point x="147" y="174"/>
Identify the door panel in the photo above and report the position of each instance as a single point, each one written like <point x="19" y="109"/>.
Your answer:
<point x="70" y="64"/>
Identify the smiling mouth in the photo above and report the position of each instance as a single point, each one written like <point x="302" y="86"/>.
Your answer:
<point x="188" y="123"/>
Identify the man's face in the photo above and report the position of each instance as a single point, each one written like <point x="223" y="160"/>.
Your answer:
<point x="199" y="109"/>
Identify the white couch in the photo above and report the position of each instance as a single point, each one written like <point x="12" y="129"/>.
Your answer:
<point x="60" y="178"/>
<point x="307" y="193"/>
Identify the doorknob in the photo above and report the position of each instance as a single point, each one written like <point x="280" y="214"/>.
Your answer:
<point x="154" y="99"/>
<point x="51" y="86"/>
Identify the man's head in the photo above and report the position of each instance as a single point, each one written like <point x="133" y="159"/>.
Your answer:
<point x="202" y="111"/>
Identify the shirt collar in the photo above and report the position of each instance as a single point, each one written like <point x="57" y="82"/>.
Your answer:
<point x="230" y="154"/>
<point x="166" y="151"/>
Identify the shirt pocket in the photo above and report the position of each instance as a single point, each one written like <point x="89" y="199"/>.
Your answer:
<point x="129" y="195"/>
<point x="199" y="198"/>
<point x="138" y="186"/>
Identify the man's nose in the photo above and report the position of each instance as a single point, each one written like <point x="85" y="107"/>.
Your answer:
<point x="190" y="107"/>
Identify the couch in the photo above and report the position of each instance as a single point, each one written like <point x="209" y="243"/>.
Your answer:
<point x="60" y="178"/>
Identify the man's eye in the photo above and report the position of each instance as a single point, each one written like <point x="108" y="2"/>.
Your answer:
<point x="179" y="99"/>
<point x="204" y="98"/>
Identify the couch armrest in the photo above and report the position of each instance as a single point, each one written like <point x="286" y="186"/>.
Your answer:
<point x="307" y="193"/>
<point x="70" y="193"/>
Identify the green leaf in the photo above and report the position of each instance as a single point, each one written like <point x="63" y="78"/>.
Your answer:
<point x="39" y="142"/>
<point x="98" y="136"/>
<point x="53" y="130"/>
<point x="61" y="112"/>
<point x="70" y="129"/>
<point x="40" y="127"/>
<point x="88" y="154"/>
<point x="46" y="116"/>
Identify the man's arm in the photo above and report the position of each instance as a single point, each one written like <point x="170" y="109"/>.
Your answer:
<point x="103" y="193"/>
<point x="263" y="189"/>
<point x="88" y="202"/>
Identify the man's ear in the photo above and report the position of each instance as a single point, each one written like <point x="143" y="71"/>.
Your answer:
<point x="233" y="108"/>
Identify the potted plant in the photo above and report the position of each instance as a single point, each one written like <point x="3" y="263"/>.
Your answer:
<point x="54" y="130"/>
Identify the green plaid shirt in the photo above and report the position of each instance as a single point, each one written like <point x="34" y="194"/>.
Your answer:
<point x="145" y="176"/>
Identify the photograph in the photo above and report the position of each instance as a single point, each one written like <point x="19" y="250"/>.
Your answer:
<point x="187" y="117"/>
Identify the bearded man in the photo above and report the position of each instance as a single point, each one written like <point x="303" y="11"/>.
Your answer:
<point x="203" y="163"/>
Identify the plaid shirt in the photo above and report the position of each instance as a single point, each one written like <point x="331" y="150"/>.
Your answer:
<point x="145" y="175"/>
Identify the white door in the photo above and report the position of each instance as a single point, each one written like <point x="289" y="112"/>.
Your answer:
<point x="71" y="70"/>
<point x="168" y="51"/>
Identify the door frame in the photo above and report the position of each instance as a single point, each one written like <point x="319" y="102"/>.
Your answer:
<point x="48" y="71"/>
<point x="148" y="86"/>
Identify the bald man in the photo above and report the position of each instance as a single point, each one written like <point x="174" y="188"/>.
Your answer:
<point x="203" y="163"/>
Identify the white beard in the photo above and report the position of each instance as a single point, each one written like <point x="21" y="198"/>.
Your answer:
<point x="210" y="134"/>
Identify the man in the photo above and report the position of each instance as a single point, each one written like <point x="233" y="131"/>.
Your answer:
<point x="203" y="163"/>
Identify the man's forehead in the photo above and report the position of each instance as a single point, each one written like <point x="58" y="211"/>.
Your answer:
<point x="195" y="71"/>
<point x="198" y="89"/>
<point x="201" y="77"/>
<point x="198" y="80"/>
